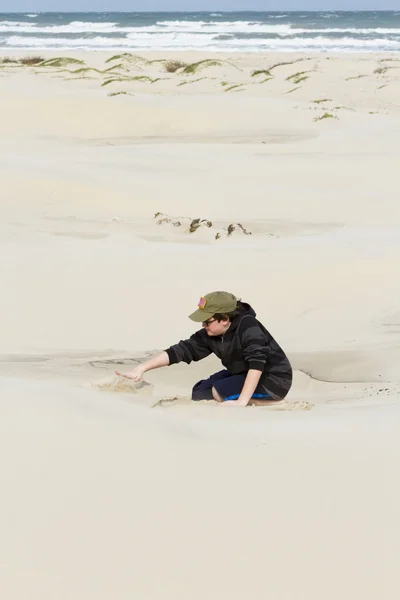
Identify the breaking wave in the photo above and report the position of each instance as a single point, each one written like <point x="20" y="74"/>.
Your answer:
<point x="209" y="31"/>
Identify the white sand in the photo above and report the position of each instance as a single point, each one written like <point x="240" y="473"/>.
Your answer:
<point x="135" y="494"/>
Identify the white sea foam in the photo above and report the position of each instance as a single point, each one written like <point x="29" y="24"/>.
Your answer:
<point x="15" y="23"/>
<point x="220" y="27"/>
<point x="187" y="41"/>
<point x="73" y="27"/>
<point x="32" y="16"/>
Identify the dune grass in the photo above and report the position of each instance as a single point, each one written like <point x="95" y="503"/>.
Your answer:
<point x="29" y="61"/>
<point x="122" y="93"/>
<point x="94" y="70"/>
<point x="60" y="61"/>
<point x="118" y="57"/>
<point x="193" y="81"/>
<point x="7" y="60"/>
<point x="285" y="63"/>
<point x="293" y="90"/>
<point x="268" y="77"/>
<point x="126" y="56"/>
<point x="84" y="70"/>
<point x="296" y="75"/>
<point x="322" y="100"/>
<point x="381" y="70"/>
<point x="120" y="66"/>
<point x="197" y="223"/>
<point x="326" y="115"/>
<point x="172" y="66"/>
<point x="233" y="226"/>
<point x="268" y="73"/>
<point x="297" y="78"/>
<point x="344" y="108"/>
<point x="234" y="87"/>
<point x="191" y="225"/>
<point x="355" y="77"/>
<point x="114" y="80"/>
<point x="201" y="64"/>
<point x="265" y="72"/>
<point x="86" y="77"/>
<point x="230" y="86"/>
<point x="127" y="79"/>
<point x="209" y="62"/>
<point x="145" y="78"/>
<point x="230" y="229"/>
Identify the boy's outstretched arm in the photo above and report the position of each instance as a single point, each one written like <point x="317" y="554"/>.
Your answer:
<point x="155" y="362"/>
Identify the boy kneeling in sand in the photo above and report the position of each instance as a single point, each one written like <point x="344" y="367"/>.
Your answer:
<point x="257" y="370"/>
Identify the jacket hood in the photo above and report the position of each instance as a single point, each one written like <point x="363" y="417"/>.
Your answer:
<point x="247" y="309"/>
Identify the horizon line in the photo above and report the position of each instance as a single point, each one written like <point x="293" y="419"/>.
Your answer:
<point x="67" y="12"/>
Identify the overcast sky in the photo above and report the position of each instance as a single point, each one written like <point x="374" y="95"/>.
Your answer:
<point x="193" y="5"/>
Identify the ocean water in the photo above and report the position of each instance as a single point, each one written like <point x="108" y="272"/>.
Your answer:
<point x="229" y="32"/>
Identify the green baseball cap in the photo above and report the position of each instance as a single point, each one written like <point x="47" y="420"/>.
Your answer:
<point x="215" y="302"/>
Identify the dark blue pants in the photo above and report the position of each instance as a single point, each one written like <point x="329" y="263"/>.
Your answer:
<point x="228" y="386"/>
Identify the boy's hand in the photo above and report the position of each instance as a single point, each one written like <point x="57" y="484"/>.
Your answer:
<point x="238" y="402"/>
<point x="136" y="374"/>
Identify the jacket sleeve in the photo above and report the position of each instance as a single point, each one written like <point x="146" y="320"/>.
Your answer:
<point x="194" y="349"/>
<point x="255" y="343"/>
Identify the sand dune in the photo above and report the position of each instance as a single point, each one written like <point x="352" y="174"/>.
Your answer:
<point x="104" y="497"/>
<point x="283" y="179"/>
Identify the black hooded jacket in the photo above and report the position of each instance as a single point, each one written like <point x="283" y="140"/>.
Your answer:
<point x="246" y="345"/>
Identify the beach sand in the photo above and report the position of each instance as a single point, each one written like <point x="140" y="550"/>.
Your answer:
<point x="111" y="490"/>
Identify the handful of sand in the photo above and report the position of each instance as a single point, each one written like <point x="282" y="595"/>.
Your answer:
<point x="121" y="384"/>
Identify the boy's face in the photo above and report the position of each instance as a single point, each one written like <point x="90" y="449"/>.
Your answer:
<point x="214" y="327"/>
